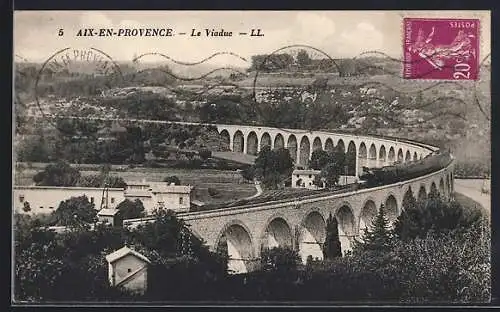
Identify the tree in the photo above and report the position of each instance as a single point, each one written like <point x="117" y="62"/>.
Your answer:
<point x="280" y="259"/>
<point x="58" y="174"/>
<point x="205" y="154"/>
<point x="128" y="209"/>
<point x="331" y="173"/>
<point x="248" y="173"/>
<point x="273" y="166"/>
<point x="172" y="179"/>
<point x="436" y="216"/>
<point x="303" y="59"/>
<point x="320" y="159"/>
<point x="75" y="211"/>
<point x="378" y="236"/>
<point x="332" y="247"/>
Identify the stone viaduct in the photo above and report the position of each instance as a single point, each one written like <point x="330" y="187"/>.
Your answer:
<point x="368" y="151"/>
<point x="301" y="222"/>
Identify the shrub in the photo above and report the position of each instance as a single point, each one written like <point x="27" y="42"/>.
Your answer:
<point x="213" y="192"/>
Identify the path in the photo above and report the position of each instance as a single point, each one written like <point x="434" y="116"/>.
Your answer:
<point x="472" y="188"/>
<point x="258" y="188"/>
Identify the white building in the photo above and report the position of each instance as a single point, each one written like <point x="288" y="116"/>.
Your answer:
<point x="107" y="216"/>
<point x="159" y="195"/>
<point x="305" y="178"/>
<point x="45" y="199"/>
<point x="129" y="269"/>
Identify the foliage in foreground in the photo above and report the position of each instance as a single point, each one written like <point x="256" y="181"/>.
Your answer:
<point x="435" y="266"/>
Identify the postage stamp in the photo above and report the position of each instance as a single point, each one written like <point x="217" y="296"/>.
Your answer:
<point x="441" y="49"/>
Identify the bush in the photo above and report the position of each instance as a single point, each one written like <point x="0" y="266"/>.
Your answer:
<point x="172" y="179"/>
<point x="213" y="192"/>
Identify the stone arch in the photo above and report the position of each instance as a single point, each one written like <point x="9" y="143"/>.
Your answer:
<point x="408" y="156"/>
<point x="265" y="140"/>
<point x="317" y="145"/>
<point x="252" y="143"/>
<point x="368" y="212"/>
<point x="392" y="155"/>
<point x="400" y="155"/>
<point x="225" y="140"/>
<point x="433" y="188"/>
<point x="304" y="151"/>
<point x="451" y="183"/>
<point x="341" y="146"/>
<point x="382" y="154"/>
<point x="238" y="142"/>
<point x="448" y="186"/>
<point x="279" y="141"/>
<point x="441" y="188"/>
<point x="329" y="145"/>
<point x="372" y="152"/>
<point x="363" y="156"/>
<point x="415" y="156"/>
<point x="312" y="235"/>
<point x="277" y="233"/>
<point x="391" y="208"/>
<point x="236" y="240"/>
<point x="292" y="147"/>
<point x="351" y="158"/>
<point x="408" y="192"/>
<point x="422" y="194"/>
<point x="363" y="152"/>
<point x="345" y="217"/>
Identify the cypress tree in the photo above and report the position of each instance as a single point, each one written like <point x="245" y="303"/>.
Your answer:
<point x="378" y="236"/>
<point x="332" y="247"/>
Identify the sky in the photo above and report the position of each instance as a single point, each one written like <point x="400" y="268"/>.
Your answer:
<point x="337" y="33"/>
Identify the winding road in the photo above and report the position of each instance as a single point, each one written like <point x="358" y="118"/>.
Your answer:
<point x="472" y="189"/>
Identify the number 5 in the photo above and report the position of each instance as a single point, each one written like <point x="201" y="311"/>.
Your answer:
<point x="61" y="32"/>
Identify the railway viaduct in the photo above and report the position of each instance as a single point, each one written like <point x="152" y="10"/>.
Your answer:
<point x="301" y="222"/>
<point x="369" y="151"/>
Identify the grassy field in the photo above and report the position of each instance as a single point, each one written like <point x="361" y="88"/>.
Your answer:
<point x="229" y="184"/>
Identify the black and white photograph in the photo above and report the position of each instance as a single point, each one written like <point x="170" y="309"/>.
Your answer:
<point x="251" y="157"/>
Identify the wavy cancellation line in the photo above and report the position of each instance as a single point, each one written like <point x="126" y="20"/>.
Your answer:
<point x="189" y="63"/>
<point x="192" y="78"/>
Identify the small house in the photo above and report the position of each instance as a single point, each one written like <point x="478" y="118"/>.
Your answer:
<point x="107" y="216"/>
<point x="128" y="268"/>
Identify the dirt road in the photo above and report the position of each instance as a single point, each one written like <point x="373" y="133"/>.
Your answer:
<point x="472" y="188"/>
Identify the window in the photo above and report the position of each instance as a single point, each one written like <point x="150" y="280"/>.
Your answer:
<point x="129" y="270"/>
<point x="297" y="176"/>
<point x="41" y="207"/>
<point x="181" y="200"/>
<point x="112" y="200"/>
<point x="91" y="200"/>
<point x="310" y="176"/>
<point x="21" y="198"/>
<point x="51" y="207"/>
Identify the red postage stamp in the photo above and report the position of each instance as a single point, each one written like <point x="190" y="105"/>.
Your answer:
<point x="443" y="49"/>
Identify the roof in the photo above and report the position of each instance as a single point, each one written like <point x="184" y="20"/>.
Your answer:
<point x="197" y="202"/>
<point x="310" y="171"/>
<point x="161" y="187"/>
<point x="107" y="212"/>
<point x="122" y="252"/>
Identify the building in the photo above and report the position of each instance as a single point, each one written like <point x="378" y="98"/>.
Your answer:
<point x="107" y="216"/>
<point x="305" y="179"/>
<point x="159" y="195"/>
<point x="129" y="269"/>
<point x="45" y="199"/>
